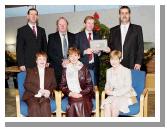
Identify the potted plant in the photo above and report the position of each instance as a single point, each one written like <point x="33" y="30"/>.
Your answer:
<point x="149" y="60"/>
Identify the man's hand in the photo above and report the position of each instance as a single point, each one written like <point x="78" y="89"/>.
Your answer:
<point x="22" y="68"/>
<point x="107" y="50"/>
<point x="47" y="64"/>
<point x="96" y="51"/>
<point x="137" y="66"/>
<point x="88" y="51"/>
<point x="65" y="62"/>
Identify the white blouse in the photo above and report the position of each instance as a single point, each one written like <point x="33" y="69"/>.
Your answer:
<point x="72" y="76"/>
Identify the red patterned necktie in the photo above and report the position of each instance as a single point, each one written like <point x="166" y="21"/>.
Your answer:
<point x="34" y="32"/>
<point x="90" y="56"/>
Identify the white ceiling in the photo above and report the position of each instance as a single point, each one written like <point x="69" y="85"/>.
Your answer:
<point x="49" y="9"/>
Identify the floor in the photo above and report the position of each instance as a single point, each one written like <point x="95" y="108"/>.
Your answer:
<point x="10" y="103"/>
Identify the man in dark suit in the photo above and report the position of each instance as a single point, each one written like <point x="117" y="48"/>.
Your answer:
<point x="128" y="39"/>
<point x="88" y="56"/>
<point x="30" y="39"/>
<point x="58" y="44"/>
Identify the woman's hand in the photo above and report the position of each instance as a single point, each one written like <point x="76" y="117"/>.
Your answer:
<point x="108" y="91"/>
<point x="46" y="93"/>
<point x="75" y="95"/>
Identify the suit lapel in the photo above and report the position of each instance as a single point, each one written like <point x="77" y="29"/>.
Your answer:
<point x="119" y="37"/>
<point x="85" y="39"/>
<point x="31" y="32"/>
<point x="69" y="39"/>
<point x="37" y="76"/>
<point x="45" y="78"/>
<point x="38" y="33"/>
<point x="128" y="35"/>
<point x="59" y="43"/>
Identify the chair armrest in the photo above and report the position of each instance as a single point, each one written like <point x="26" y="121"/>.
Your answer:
<point x="102" y="99"/>
<point x="103" y="94"/>
<point x="143" y="102"/>
<point x="18" y="104"/>
<point x="95" y="88"/>
<point x="58" y="103"/>
<point x="145" y="94"/>
<point x="97" y="102"/>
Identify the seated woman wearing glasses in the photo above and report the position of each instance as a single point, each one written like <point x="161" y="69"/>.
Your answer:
<point x="76" y="83"/>
<point x="118" y="87"/>
<point x="39" y="85"/>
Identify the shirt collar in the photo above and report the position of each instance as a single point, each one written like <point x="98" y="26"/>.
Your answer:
<point x="31" y="25"/>
<point x="87" y="32"/>
<point x="40" y="69"/>
<point x="61" y="34"/>
<point x="126" y="25"/>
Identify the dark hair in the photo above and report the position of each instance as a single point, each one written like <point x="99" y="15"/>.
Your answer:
<point x="32" y="9"/>
<point x="124" y="7"/>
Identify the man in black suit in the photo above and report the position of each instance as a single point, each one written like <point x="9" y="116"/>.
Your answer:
<point x="89" y="57"/>
<point x="30" y="39"/>
<point x="128" y="39"/>
<point x="58" y="44"/>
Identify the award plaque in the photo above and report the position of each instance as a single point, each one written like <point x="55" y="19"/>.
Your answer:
<point x="98" y="44"/>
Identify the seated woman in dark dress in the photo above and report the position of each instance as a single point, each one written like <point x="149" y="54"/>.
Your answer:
<point x="39" y="85"/>
<point x="76" y="83"/>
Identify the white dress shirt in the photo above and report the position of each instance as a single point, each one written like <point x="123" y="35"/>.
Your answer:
<point x="31" y="26"/>
<point x="87" y="35"/>
<point x="124" y="30"/>
<point x="62" y="37"/>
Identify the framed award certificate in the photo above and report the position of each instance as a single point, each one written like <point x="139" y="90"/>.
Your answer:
<point x="98" y="44"/>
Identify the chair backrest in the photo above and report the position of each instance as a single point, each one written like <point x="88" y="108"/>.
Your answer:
<point x="138" y="81"/>
<point x="20" y="79"/>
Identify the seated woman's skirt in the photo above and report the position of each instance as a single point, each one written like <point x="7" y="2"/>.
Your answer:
<point x="122" y="103"/>
<point x="79" y="107"/>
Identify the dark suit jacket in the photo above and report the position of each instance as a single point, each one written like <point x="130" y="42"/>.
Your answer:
<point x="84" y="80"/>
<point x="32" y="82"/>
<point x="27" y="45"/>
<point x="55" y="53"/>
<point x="83" y="44"/>
<point x="133" y="49"/>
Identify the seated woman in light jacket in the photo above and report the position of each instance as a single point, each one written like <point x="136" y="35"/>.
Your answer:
<point x="118" y="87"/>
<point x="76" y="83"/>
<point x="39" y="85"/>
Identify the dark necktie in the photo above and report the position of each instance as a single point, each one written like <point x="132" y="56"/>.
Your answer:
<point x="89" y="55"/>
<point x="34" y="32"/>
